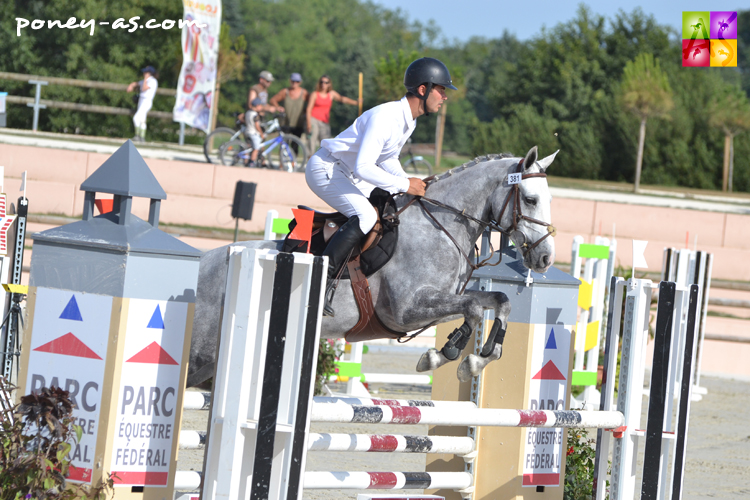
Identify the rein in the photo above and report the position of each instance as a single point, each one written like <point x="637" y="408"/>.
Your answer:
<point x="511" y="231"/>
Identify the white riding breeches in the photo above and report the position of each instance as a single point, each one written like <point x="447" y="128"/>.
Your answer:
<point x="139" y="118"/>
<point x="335" y="185"/>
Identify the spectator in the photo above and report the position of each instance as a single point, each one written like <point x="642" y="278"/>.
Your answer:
<point x="294" y="98"/>
<point x="319" y="111"/>
<point x="260" y="91"/>
<point x="147" y="88"/>
<point x="253" y="131"/>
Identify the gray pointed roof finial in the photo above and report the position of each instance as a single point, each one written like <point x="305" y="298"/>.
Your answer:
<point x="125" y="173"/>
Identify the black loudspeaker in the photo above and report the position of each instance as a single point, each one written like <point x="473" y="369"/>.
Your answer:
<point x="244" y="199"/>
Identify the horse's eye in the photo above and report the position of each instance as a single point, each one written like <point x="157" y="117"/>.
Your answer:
<point x="530" y="201"/>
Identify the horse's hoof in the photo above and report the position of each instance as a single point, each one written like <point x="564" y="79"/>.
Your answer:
<point x="431" y="360"/>
<point x="472" y="365"/>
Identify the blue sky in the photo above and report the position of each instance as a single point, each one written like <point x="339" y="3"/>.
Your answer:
<point x="462" y="19"/>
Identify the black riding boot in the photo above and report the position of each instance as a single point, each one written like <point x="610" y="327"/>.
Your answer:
<point x="338" y="250"/>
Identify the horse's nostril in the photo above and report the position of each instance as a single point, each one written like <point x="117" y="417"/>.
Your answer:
<point x="545" y="260"/>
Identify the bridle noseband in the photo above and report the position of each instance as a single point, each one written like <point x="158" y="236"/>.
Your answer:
<point x="517" y="216"/>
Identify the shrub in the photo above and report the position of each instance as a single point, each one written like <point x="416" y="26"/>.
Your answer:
<point x="37" y="436"/>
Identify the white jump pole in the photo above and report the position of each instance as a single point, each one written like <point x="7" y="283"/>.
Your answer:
<point x="456" y="405"/>
<point x="481" y="416"/>
<point x="194" y="400"/>
<point x="387" y="480"/>
<point x="390" y="443"/>
<point x="369" y="443"/>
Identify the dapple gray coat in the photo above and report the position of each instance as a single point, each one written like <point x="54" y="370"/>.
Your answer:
<point x="419" y="286"/>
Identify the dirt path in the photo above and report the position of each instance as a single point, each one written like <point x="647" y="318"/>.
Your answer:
<point x="718" y="457"/>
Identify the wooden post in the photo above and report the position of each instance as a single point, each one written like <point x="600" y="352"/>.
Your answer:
<point x="215" y="109"/>
<point x="439" y="131"/>
<point x="639" y="159"/>
<point x="360" y="94"/>
<point x="731" y="163"/>
<point x="725" y="176"/>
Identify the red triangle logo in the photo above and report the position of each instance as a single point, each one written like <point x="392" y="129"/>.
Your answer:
<point x="549" y="372"/>
<point x="153" y="354"/>
<point x="68" y="345"/>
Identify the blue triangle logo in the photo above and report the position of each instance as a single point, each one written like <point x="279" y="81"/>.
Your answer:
<point x="71" y="310"/>
<point x="156" y="320"/>
<point x="551" y="344"/>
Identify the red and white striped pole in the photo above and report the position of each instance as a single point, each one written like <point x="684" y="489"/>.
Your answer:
<point x="387" y="480"/>
<point x="340" y="413"/>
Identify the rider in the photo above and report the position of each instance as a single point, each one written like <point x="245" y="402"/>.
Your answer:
<point x="348" y="167"/>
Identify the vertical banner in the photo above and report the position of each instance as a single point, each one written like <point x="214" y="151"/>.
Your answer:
<point x="543" y="448"/>
<point x="68" y="349"/>
<point x="150" y="384"/>
<point x="201" y="26"/>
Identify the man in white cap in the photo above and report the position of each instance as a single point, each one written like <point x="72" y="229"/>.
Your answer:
<point x="260" y="91"/>
<point x="147" y="88"/>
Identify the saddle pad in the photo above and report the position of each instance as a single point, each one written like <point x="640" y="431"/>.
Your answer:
<point x="373" y="259"/>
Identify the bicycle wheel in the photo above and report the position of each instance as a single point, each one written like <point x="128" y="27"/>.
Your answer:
<point x="213" y="142"/>
<point x="418" y="166"/>
<point x="234" y="154"/>
<point x="286" y="158"/>
<point x="299" y="150"/>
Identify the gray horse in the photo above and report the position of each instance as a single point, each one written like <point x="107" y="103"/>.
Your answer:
<point x="422" y="282"/>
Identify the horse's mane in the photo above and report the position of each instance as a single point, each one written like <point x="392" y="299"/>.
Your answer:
<point x="471" y="163"/>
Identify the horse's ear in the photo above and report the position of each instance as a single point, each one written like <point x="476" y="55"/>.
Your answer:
<point x="545" y="162"/>
<point x="530" y="159"/>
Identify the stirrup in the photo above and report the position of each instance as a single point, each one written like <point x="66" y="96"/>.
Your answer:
<point x="328" y="305"/>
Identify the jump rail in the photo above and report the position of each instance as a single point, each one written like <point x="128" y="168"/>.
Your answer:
<point x="262" y="407"/>
<point x="479" y="416"/>
<point x="371" y="443"/>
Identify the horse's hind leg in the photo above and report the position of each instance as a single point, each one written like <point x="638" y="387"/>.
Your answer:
<point x="472" y="365"/>
<point x="451" y="351"/>
<point x="434" y="304"/>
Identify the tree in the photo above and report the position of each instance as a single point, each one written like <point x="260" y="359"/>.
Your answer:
<point x="230" y="64"/>
<point x="730" y="111"/>
<point x="389" y="78"/>
<point x="646" y="93"/>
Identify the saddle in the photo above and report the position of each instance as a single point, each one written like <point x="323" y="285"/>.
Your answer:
<point x="375" y="251"/>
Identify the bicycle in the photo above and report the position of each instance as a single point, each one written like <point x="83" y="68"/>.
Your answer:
<point x="417" y="164"/>
<point x="237" y="152"/>
<point x="229" y="147"/>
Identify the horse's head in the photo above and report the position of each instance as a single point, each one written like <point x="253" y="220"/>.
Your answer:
<point x="522" y="209"/>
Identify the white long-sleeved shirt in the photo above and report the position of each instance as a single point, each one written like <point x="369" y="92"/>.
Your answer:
<point x="146" y="98"/>
<point x="369" y="148"/>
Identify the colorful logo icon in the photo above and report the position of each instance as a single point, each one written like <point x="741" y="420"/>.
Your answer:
<point x="709" y="38"/>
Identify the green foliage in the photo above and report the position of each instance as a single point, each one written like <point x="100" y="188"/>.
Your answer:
<point x="579" y="465"/>
<point x="645" y="89"/>
<point x="389" y="77"/>
<point x="231" y="55"/>
<point x="729" y="110"/>
<point x="36" y="441"/>
<point x="328" y="353"/>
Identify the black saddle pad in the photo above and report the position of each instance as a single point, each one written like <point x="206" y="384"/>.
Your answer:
<point x="374" y="258"/>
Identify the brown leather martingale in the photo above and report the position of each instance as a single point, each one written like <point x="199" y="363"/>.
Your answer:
<point x="369" y="326"/>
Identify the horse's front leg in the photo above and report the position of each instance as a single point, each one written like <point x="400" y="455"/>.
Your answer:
<point x="472" y="365"/>
<point x="434" y="304"/>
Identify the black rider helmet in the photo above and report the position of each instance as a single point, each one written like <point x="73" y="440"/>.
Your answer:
<point x="427" y="71"/>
